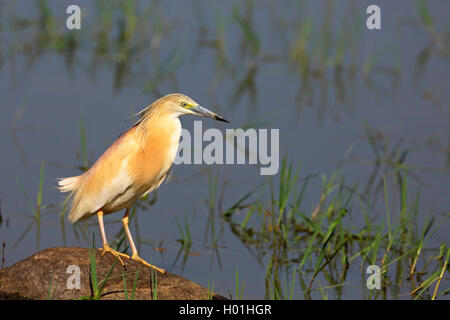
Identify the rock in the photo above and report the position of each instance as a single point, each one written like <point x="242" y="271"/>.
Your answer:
<point x="45" y="275"/>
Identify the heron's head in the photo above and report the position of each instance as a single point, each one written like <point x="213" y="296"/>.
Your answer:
<point x="181" y="104"/>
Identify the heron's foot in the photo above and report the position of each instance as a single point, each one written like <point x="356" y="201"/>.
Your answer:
<point x="136" y="258"/>
<point x="106" y="248"/>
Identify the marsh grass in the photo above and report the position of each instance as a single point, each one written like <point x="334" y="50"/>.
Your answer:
<point x="323" y="246"/>
<point x="210" y="291"/>
<point x="35" y="208"/>
<point x="186" y="243"/>
<point x="126" y="37"/>
<point x="133" y="289"/>
<point x="307" y="251"/>
<point x="239" y="288"/>
<point x="153" y="283"/>
<point x="96" y="285"/>
<point x="50" y="296"/>
<point x="185" y="232"/>
<point x="84" y="156"/>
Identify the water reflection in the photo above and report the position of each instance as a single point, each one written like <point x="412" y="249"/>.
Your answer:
<point x="305" y="250"/>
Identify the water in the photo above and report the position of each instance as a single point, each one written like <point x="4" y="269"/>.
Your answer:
<point x="381" y="86"/>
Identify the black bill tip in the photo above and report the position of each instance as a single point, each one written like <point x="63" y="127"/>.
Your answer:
<point x="219" y="118"/>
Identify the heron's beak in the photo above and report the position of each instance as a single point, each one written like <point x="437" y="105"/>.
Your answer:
<point x="207" y="113"/>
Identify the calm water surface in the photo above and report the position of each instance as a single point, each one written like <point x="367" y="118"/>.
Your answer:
<point x="389" y="82"/>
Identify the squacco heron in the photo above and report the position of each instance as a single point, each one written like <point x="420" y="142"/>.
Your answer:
<point x="134" y="165"/>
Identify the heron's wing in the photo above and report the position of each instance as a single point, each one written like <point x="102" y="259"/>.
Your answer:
<point x="158" y="182"/>
<point x="106" y="181"/>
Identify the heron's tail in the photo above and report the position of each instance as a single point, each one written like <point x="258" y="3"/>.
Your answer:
<point x="72" y="185"/>
<point x="69" y="184"/>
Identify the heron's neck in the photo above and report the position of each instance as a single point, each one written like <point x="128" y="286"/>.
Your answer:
<point x="161" y="124"/>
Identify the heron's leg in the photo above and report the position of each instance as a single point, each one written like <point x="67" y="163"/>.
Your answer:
<point x="106" y="247"/>
<point x="135" y="256"/>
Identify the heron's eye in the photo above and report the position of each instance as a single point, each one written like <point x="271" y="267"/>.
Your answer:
<point x="184" y="104"/>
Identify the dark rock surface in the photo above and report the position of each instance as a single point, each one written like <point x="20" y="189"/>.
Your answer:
<point x="45" y="275"/>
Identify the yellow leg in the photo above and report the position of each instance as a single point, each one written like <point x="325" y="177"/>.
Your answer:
<point x="106" y="247"/>
<point x="135" y="256"/>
